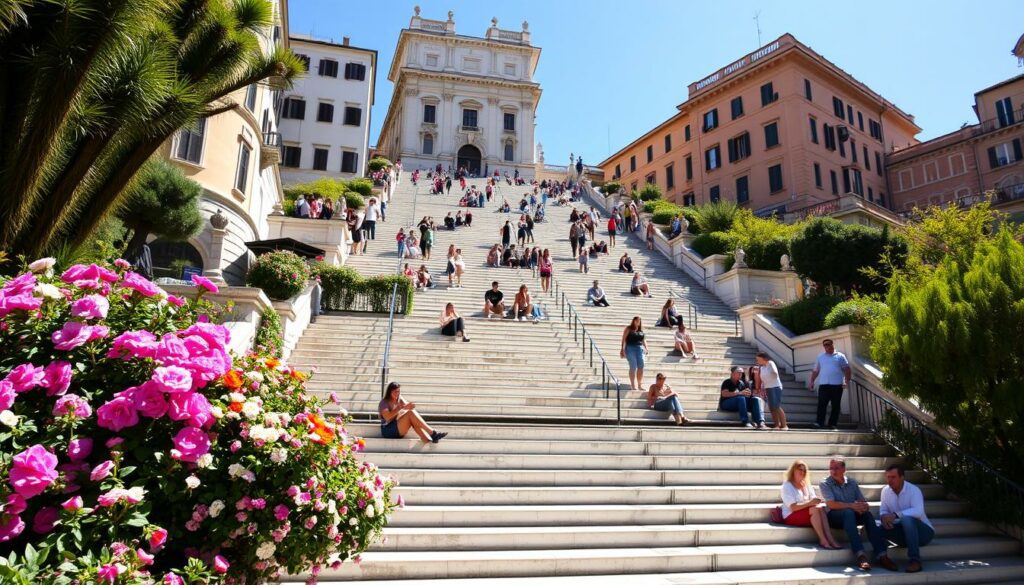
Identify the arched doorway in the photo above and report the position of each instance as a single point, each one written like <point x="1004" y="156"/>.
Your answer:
<point x="175" y="259"/>
<point x="469" y="159"/>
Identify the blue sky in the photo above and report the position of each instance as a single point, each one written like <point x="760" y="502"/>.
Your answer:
<point x="611" y="70"/>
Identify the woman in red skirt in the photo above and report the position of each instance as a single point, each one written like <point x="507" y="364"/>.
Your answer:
<point x="801" y="507"/>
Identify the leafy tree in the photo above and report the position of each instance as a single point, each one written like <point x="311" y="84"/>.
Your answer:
<point x="846" y="258"/>
<point x="952" y="340"/>
<point x="649" y="192"/>
<point x="610" y="188"/>
<point x="378" y="163"/>
<point x="162" y="201"/>
<point x="90" y="89"/>
<point x="715" y="217"/>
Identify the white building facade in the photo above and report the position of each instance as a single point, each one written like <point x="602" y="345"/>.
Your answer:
<point x="325" y="117"/>
<point x="462" y="101"/>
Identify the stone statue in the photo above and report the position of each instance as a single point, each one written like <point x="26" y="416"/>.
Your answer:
<point x="784" y="261"/>
<point x="494" y="22"/>
<point x="540" y="153"/>
<point x="526" y="26"/>
<point x="451" y="15"/>
<point x="740" y="256"/>
<point x="416" y="10"/>
<point x="684" y="225"/>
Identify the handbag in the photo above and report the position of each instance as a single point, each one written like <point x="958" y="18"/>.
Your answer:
<point x="776" y="515"/>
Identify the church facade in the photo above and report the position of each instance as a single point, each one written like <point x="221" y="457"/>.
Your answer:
<point x="462" y="101"/>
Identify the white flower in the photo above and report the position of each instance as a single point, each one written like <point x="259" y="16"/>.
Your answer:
<point x="136" y="493"/>
<point x="9" y="418"/>
<point x="216" y="507"/>
<point x="280" y="456"/>
<point x="217" y="412"/>
<point x="48" y="291"/>
<point x="353" y="521"/>
<point x="265" y="550"/>
<point x="254" y="376"/>
<point x="236" y="397"/>
<point x="370" y="511"/>
<point x="332" y="507"/>
<point x="42" y="264"/>
<point x="235" y="469"/>
<point x="205" y="460"/>
<point x="250" y="409"/>
<point x="192" y="482"/>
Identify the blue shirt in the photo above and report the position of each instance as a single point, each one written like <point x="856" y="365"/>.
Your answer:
<point x="847" y="493"/>
<point x="830" y="368"/>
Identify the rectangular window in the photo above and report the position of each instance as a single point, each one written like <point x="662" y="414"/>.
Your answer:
<point x="814" y="130"/>
<point x="867" y="161"/>
<point x="817" y="175"/>
<point x="510" y="121"/>
<point x="860" y="121"/>
<point x="711" y="120"/>
<point x="712" y="158"/>
<point x="1004" y="154"/>
<point x="742" y="190"/>
<point x="768" y="94"/>
<point x="242" y="175"/>
<point x="304" y="59"/>
<point x="325" y="112"/>
<point x="689" y="200"/>
<point x="509" y="152"/>
<point x="878" y="163"/>
<point x="650" y="152"/>
<point x="428" y="144"/>
<point x="871" y="194"/>
<point x="737" y="107"/>
<point x="842" y="149"/>
<point x="849" y="114"/>
<point x="618" y="171"/>
<point x="807" y="89"/>
<point x="328" y="68"/>
<point x="469" y="118"/>
<point x="670" y="177"/>
<point x="250" y="97"/>
<point x="668" y="142"/>
<point x="853" y="150"/>
<point x="349" y="161"/>
<point x="190" y="142"/>
<point x="739" y="147"/>
<point x="771" y="135"/>
<point x="775" y="178"/>
<point x="715" y="194"/>
<point x="430" y="113"/>
<point x="319" y="159"/>
<point x="355" y="71"/>
<point x="652" y="178"/>
<point x="835" y="182"/>
<point x="852" y="182"/>
<point x="689" y="168"/>
<point x="352" y="116"/>
<point x="1004" y="111"/>
<point x="632" y="164"/>
<point x="881" y="199"/>
<point x="830" y="136"/>
<point x="875" y="129"/>
<point x="510" y="69"/>
<point x="837" y="107"/>
<point x="432" y="60"/>
<point x="294" y="109"/>
<point x="292" y="156"/>
<point x="686" y="133"/>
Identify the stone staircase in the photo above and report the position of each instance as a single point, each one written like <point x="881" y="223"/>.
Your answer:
<point x="534" y="485"/>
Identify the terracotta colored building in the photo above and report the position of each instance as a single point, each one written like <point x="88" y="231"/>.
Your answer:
<point x="976" y="163"/>
<point x="781" y="130"/>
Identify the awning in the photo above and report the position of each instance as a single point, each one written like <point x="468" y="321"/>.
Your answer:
<point x="261" y="247"/>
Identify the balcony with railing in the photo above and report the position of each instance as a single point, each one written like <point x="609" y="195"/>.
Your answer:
<point x="474" y="128"/>
<point x="993" y="124"/>
<point x="270" y="153"/>
<point x="849" y="203"/>
<point x="998" y="196"/>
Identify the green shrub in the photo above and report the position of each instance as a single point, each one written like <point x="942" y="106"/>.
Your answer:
<point x="343" y="286"/>
<point x="280" y="274"/>
<point x="712" y="243"/>
<point x="766" y="254"/>
<point x="354" y="200"/>
<point x="691" y="216"/>
<point x="362" y="186"/>
<point x="378" y="163"/>
<point x="808" y="314"/>
<point x="270" y="333"/>
<point x="649" y="192"/>
<point x="857" y="311"/>
<point x="839" y="256"/>
<point x="327" y="188"/>
<point x="715" y="217"/>
<point x="610" y="188"/>
<point x="663" y="214"/>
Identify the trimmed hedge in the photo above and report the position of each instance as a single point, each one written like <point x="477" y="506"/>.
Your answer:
<point x="808" y="314"/>
<point x="650" y="192"/>
<point x="343" y="286"/>
<point x="611" y="187"/>
<point x="766" y="254"/>
<point x="378" y="163"/>
<point x="858" y="311"/>
<point x="270" y="333"/>
<point x="281" y="274"/>
<point x="354" y="200"/>
<point x="362" y="186"/>
<point x="712" y="243"/>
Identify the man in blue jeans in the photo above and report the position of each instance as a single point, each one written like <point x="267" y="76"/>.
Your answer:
<point x="832" y="371"/>
<point x="736" y="396"/>
<point x="903" y="519"/>
<point x="848" y="509"/>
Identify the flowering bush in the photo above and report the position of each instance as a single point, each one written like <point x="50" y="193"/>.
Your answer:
<point x="134" y="448"/>
<point x="281" y="274"/>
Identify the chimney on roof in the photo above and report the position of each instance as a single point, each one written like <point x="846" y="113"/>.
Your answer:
<point x="344" y="41"/>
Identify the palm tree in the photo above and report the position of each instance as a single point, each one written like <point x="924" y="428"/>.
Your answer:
<point x="90" y="89"/>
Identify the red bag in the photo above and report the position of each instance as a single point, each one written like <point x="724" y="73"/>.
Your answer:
<point x="777" y="515"/>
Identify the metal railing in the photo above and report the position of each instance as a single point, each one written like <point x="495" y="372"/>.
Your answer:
<point x="793" y="366"/>
<point x="993" y="124"/>
<point x="394" y="301"/>
<point x="994" y="497"/>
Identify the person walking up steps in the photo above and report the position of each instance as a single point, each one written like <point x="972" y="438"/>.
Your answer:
<point x="612" y="226"/>
<point x="545" y="267"/>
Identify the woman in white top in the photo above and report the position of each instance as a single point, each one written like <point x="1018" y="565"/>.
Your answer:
<point x="684" y="343"/>
<point x="412" y="247"/>
<point x="801" y="507"/>
<point x="769" y="384"/>
<point x="460" y="267"/>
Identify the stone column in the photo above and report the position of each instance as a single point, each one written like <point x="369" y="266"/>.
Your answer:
<point x="214" y="272"/>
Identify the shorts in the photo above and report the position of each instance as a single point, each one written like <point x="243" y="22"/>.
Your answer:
<point x="426" y="247"/>
<point x="635" y="356"/>
<point x="545" y="274"/>
<point x="390" y="430"/>
<point x="357" y="236"/>
<point x="611" y="233"/>
<point x="451" y="268"/>
<point x="650" y="239"/>
<point x="798" y="518"/>
<point x="774" y="397"/>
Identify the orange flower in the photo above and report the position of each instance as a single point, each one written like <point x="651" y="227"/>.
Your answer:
<point x="297" y="375"/>
<point x="235" y="406"/>
<point x="323" y="431"/>
<point x="272" y="362"/>
<point x="233" y="380"/>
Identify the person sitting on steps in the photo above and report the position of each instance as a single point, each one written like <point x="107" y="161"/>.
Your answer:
<point x="684" y="343"/>
<point x="423" y="279"/>
<point x="494" y="256"/>
<point x="669" y="316"/>
<point x="801" y="507"/>
<point x="625" y="263"/>
<point x="494" y="302"/>
<point x="639" y="286"/>
<point x="736" y="395"/>
<point x="596" y="297"/>
<point x="523" y="307"/>
<point x="397" y="416"/>
<point x="663" y="398"/>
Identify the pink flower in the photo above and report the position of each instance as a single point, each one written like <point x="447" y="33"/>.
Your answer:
<point x="113" y="442"/>
<point x="144" y="557"/>
<point x="220" y="564"/>
<point x="172" y="379"/>
<point x="42" y="264"/>
<point x="45" y="519"/>
<point x="25" y="377"/>
<point x="172" y="579"/>
<point x="190" y="444"/>
<point x="10" y="527"/>
<point x="193" y="407"/>
<point x="56" y="378"/>
<point x="91" y="307"/>
<point x="75" y="334"/>
<point x="157" y="538"/>
<point x="117" y="414"/>
<point x="205" y="283"/>
<point x="132" y="344"/>
<point x="122" y="264"/>
<point x="20" y="285"/>
<point x="176" y="301"/>
<point x="32" y="471"/>
<point x="139" y="284"/>
<point x="89" y="276"/>
<point x="14" y="504"/>
<point x="7" y="394"/>
<point x="72" y="504"/>
<point x="108" y="573"/>
<point x="72" y="404"/>
<point x="101" y="471"/>
<point x="22" y="302"/>
<point x="118" y="548"/>
<point x="132" y="496"/>
<point x="79" y="449"/>
<point x="149" y="400"/>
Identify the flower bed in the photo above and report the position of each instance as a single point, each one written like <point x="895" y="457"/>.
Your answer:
<point x="134" y="448"/>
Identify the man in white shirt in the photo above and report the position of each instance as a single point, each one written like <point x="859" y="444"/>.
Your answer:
<point x="832" y="372"/>
<point x="370" y="219"/>
<point x="904" y="521"/>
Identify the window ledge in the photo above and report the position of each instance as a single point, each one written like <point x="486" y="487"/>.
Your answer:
<point x="777" y="192"/>
<point x="238" y="194"/>
<point x="774" y="146"/>
<point x="188" y="163"/>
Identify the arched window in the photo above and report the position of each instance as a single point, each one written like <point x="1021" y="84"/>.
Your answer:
<point x="428" y="144"/>
<point x="509" y="152"/>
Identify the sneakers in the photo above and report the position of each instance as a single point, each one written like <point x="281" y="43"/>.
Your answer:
<point x="522" y="319"/>
<point x="536" y="320"/>
<point x="761" y="426"/>
<point x="436" y="437"/>
<point x="748" y="425"/>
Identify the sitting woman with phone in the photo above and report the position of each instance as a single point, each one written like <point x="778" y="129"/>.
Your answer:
<point x="397" y="416"/>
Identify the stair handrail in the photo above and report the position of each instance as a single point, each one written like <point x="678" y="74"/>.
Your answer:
<point x="391" y="306"/>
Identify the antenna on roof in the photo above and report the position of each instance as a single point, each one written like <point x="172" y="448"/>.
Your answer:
<point x="757" y="23"/>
